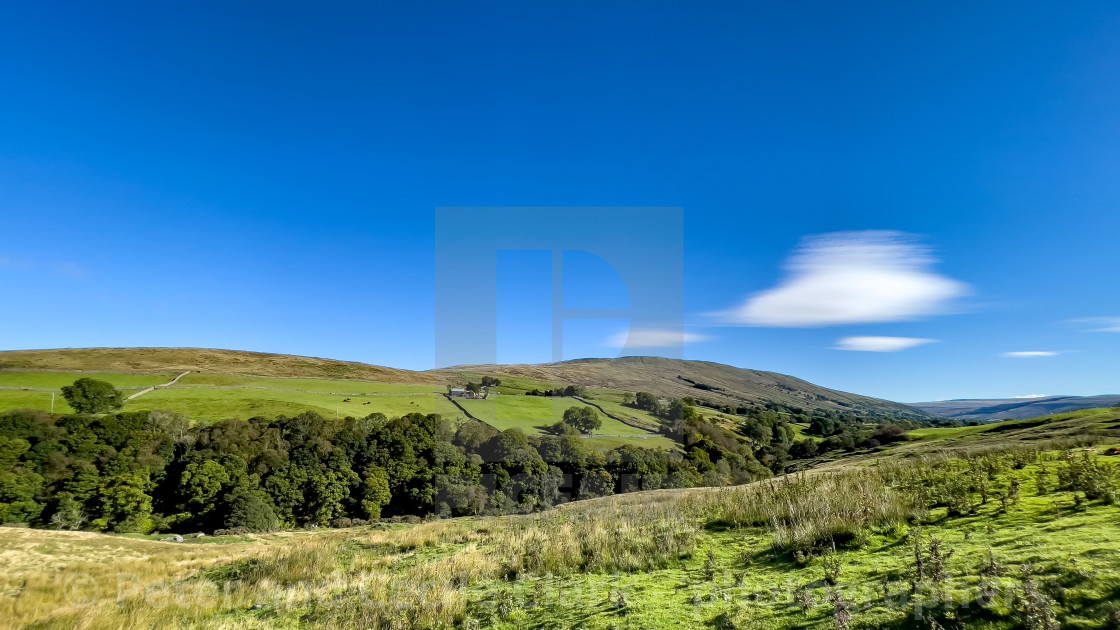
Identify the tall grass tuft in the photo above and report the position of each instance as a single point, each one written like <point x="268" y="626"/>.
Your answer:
<point x="808" y="511"/>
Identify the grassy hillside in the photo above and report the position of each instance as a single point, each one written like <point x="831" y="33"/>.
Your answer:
<point x="201" y="360"/>
<point x="534" y="414"/>
<point x="720" y="384"/>
<point x="668" y="378"/>
<point x="207" y="398"/>
<point x="1004" y="526"/>
<point x="289" y="386"/>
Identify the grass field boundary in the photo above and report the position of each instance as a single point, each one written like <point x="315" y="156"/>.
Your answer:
<point x="626" y="421"/>
<point x="12" y="388"/>
<point x="305" y="391"/>
<point x="464" y="410"/>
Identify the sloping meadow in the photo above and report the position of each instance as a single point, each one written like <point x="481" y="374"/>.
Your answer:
<point x="870" y="545"/>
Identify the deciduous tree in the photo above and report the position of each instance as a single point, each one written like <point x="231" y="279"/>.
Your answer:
<point x="89" y="395"/>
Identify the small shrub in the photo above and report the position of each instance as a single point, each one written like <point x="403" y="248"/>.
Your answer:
<point x="1089" y="476"/>
<point x="803" y="598"/>
<point x="1042" y="480"/>
<point x="841" y="610"/>
<point x="936" y="561"/>
<point x="832" y="565"/>
<point x="993" y="567"/>
<point x="1112" y="622"/>
<point x="1036" y="610"/>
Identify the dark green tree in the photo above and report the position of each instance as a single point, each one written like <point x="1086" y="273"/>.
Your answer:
<point x="803" y="449"/>
<point x="18" y="485"/>
<point x="681" y="410"/>
<point x="126" y="504"/>
<point x="596" y="483"/>
<point x="249" y="509"/>
<point x="375" y="492"/>
<point x="583" y="419"/>
<point x="648" y="402"/>
<point x="89" y="395"/>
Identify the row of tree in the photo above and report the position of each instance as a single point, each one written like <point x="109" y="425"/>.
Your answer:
<point x="570" y="390"/>
<point x="139" y="471"/>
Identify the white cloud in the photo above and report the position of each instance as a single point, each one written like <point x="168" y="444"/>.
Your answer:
<point x="653" y="338"/>
<point x="880" y="344"/>
<point x="1028" y="354"/>
<point x="1034" y="396"/>
<point x="851" y="278"/>
<point x="1101" y="324"/>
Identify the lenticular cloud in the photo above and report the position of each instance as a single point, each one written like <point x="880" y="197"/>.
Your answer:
<point x="852" y="278"/>
<point x="880" y="344"/>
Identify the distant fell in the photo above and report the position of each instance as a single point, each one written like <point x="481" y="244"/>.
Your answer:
<point x="1003" y="409"/>
<point x="714" y="382"/>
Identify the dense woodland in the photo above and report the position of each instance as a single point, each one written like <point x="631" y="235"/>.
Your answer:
<point x="140" y="471"/>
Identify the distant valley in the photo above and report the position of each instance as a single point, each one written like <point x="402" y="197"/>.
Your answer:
<point x="1021" y="408"/>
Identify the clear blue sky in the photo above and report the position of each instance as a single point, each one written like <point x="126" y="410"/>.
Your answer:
<point x="265" y="177"/>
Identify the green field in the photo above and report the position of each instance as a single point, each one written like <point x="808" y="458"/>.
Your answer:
<point x="56" y="380"/>
<point x="304" y="384"/>
<point x="40" y="386"/>
<point x="210" y="405"/>
<point x="212" y="397"/>
<point x="939" y="433"/>
<point x="533" y="414"/>
<point x="31" y="399"/>
<point x="636" y="416"/>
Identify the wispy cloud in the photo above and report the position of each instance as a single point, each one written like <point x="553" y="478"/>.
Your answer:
<point x="13" y="263"/>
<point x="653" y="338"/>
<point x="1033" y="396"/>
<point x="851" y="278"/>
<point x="71" y="269"/>
<point x="1030" y="354"/>
<point x="1099" y="324"/>
<point x="880" y="344"/>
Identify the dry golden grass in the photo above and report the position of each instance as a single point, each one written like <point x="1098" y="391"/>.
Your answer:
<point x="391" y="578"/>
<point x="204" y="360"/>
<point x="47" y="572"/>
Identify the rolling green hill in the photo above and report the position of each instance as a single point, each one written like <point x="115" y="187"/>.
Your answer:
<point x="258" y="383"/>
<point x="715" y="382"/>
